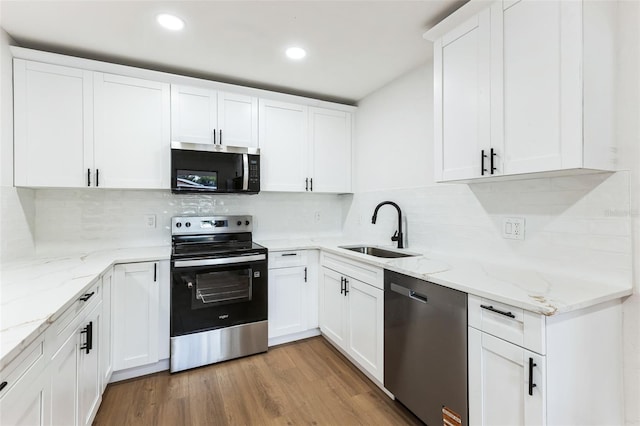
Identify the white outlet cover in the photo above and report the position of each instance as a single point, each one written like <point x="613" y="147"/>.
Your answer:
<point x="150" y="220"/>
<point x="513" y="228"/>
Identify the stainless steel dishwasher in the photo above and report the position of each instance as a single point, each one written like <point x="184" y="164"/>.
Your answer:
<point x="425" y="348"/>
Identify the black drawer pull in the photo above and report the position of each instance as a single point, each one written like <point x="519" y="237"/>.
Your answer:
<point x="492" y="309"/>
<point x="87" y="296"/>
<point x="3" y="385"/>
<point x="289" y="254"/>
<point x="88" y="330"/>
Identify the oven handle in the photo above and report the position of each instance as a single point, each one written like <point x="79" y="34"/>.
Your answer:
<point x="222" y="261"/>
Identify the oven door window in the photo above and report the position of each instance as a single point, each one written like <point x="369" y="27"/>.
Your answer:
<point x="221" y="288"/>
<point x="209" y="297"/>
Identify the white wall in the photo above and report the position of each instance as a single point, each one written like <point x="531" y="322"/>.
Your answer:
<point x="17" y="209"/>
<point x="584" y="225"/>
<point x="87" y="218"/>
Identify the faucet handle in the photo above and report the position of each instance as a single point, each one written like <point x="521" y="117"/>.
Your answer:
<point x="395" y="236"/>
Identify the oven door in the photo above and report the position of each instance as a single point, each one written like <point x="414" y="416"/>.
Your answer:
<point x="208" y="294"/>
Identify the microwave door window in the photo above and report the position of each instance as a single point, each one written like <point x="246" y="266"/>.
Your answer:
<point x="194" y="179"/>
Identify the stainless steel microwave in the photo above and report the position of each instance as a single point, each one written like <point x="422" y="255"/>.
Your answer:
<point x="206" y="168"/>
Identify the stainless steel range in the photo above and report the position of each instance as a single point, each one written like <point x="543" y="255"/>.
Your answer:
<point x="218" y="291"/>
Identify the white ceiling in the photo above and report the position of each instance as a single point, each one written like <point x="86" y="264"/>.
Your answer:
<point x="354" y="47"/>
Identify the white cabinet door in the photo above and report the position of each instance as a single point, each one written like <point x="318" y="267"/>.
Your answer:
<point x="366" y="326"/>
<point x="89" y="373"/>
<point x="462" y="99"/>
<point x="135" y="314"/>
<point x="106" y="331"/>
<point x="238" y="119"/>
<point x="25" y="404"/>
<point x="63" y="371"/>
<point x="333" y="307"/>
<point x="194" y="114"/>
<point x="283" y="146"/>
<point x="541" y="66"/>
<point x="330" y="142"/>
<point x="287" y="301"/>
<point x="53" y="116"/>
<point x="499" y="383"/>
<point x="132" y="132"/>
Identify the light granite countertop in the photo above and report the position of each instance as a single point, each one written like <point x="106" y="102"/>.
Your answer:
<point x="36" y="291"/>
<point x="547" y="293"/>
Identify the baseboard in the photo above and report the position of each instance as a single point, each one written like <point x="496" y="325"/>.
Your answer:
<point x="293" y="337"/>
<point x="131" y="373"/>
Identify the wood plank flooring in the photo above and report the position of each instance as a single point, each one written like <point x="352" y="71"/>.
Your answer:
<point x="301" y="383"/>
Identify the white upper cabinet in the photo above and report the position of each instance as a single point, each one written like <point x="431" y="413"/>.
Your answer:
<point x="525" y="87"/>
<point x="200" y="115"/>
<point x="131" y="132"/>
<point x="461" y="94"/>
<point x="53" y="113"/>
<point x="304" y="149"/>
<point x="330" y="141"/>
<point x="283" y="146"/>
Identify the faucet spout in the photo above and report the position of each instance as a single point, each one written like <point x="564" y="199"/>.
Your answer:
<point x="398" y="236"/>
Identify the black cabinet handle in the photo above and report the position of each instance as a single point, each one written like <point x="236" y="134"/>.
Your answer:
<point x="220" y="136"/>
<point x="88" y="177"/>
<point x="289" y="254"/>
<point x="214" y="136"/>
<point x="3" y="385"/>
<point x="531" y="384"/>
<point x="155" y="272"/>
<point x="311" y="185"/>
<point x="482" y="157"/>
<point x="342" y="285"/>
<point x="97" y="178"/>
<point x="346" y="286"/>
<point x="493" y="154"/>
<point x="305" y="274"/>
<point x="492" y="309"/>
<point x="87" y="296"/>
<point x="306" y="184"/>
<point x="88" y="330"/>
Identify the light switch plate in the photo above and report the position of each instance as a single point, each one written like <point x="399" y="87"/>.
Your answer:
<point x="150" y="220"/>
<point x="513" y="228"/>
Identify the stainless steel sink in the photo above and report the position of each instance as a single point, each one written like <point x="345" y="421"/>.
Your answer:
<point x="377" y="251"/>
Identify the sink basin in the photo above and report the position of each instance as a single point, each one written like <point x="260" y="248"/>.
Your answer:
<point x="377" y="251"/>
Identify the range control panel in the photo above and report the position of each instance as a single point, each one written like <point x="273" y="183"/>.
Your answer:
<point x="185" y="225"/>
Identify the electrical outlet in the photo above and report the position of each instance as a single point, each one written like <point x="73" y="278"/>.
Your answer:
<point x="317" y="216"/>
<point x="513" y="228"/>
<point x="150" y="220"/>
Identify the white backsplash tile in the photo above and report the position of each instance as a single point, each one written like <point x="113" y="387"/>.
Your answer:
<point x="579" y="224"/>
<point x="110" y="218"/>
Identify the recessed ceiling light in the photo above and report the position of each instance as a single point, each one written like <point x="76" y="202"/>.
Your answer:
<point x="296" y="53"/>
<point x="170" y="22"/>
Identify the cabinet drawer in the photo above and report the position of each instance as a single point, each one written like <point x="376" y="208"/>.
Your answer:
<point x="515" y="325"/>
<point x="286" y="259"/>
<point x="66" y="323"/>
<point x="369" y="274"/>
<point x="30" y="361"/>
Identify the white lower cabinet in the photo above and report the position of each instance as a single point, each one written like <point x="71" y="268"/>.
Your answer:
<point x="136" y="312"/>
<point x="530" y="369"/>
<point x="352" y="312"/>
<point x="24" y="393"/>
<point x="293" y="295"/>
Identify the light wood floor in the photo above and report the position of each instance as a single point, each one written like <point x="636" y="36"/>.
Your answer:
<point x="301" y="383"/>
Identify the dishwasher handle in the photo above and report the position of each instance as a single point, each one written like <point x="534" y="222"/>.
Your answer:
<point x="411" y="294"/>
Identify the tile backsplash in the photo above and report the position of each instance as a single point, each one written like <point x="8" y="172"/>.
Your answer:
<point x="577" y="224"/>
<point x="116" y="218"/>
